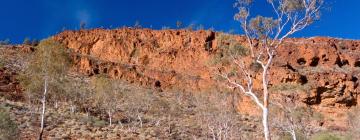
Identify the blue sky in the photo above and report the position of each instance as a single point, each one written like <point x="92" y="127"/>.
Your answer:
<point x="41" y="18"/>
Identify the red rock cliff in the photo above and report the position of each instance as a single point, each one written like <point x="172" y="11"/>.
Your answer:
<point x="177" y="59"/>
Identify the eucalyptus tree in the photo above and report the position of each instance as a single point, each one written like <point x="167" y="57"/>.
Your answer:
<point x="46" y="74"/>
<point x="265" y="35"/>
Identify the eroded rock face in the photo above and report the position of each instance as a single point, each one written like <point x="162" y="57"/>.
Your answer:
<point x="162" y="59"/>
<point x="177" y="59"/>
<point x="9" y="86"/>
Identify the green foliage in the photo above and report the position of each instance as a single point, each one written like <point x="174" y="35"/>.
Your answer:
<point x="292" y="5"/>
<point x="2" y="63"/>
<point x="191" y="26"/>
<point x="229" y="48"/>
<point x="27" y="41"/>
<point x="287" y="136"/>
<point x="261" y="25"/>
<point x="179" y="24"/>
<point x="93" y="121"/>
<point x="255" y="66"/>
<point x="8" y="129"/>
<point x="106" y="92"/>
<point x="82" y="25"/>
<point x="354" y="121"/>
<point x="5" y="42"/>
<point x="50" y="62"/>
<point x="325" y="136"/>
<point x="317" y="116"/>
<point x="137" y="24"/>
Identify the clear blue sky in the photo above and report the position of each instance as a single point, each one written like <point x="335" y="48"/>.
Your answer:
<point x="42" y="18"/>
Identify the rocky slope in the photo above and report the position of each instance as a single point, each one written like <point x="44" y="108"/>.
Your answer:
<point x="319" y="73"/>
<point x="325" y="69"/>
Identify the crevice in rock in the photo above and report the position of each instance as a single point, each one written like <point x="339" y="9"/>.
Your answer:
<point x="327" y="83"/>
<point x="319" y="91"/>
<point x="315" y="100"/>
<point x="303" y="79"/>
<point x="209" y="42"/>
<point x="157" y="84"/>
<point x="301" y="61"/>
<point x="96" y="71"/>
<point x="340" y="62"/>
<point x="357" y="63"/>
<point x="354" y="79"/>
<point x="105" y="70"/>
<point x="314" y="61"/>
<point x="116" y="73"/>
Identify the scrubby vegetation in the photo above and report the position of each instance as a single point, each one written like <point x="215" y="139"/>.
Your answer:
<point x="8" y="128"/>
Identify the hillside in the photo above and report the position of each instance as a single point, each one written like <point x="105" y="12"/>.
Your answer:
<point x="321" y="74"/>
<point x="177" y="59"/>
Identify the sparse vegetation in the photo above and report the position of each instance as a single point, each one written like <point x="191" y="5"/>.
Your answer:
<point x="264" y="36"/>
<point x="44" y="77"/>
<point x="131" y="93"/>
<point x="354" y="122"/>
<point x="107" y="95"/>
<point x="326" y="136"/>
<point x="27" y="41"/>
<point x="137" y="25"/>
<point x="179" y="24"/>
<point x="4" y="42"/>
<point x="228" y="50"/>
<point x="8" y="128"/>
<point x="82" y="25"/>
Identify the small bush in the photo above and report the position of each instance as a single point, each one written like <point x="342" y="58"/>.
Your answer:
<point x="99" y="123"/>
<point x="255" y="66"/>
<point x="93" y="121"/>
<point x="228" y="49"/>
<point x="5" y="42"/>
<point x="27" y="41"/>
<point x="354" y="122"/>
<point x="8" y="129"/>
<point x="326" y="136"/>
<point x="287" y="136"/>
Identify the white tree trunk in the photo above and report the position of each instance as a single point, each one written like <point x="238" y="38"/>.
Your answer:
<point x="265" y="124"/>
<point x="265" y="109"/>
<point x="43" y="110"/>
<point x="293" y="134"/>
<point x="110" y="120"/>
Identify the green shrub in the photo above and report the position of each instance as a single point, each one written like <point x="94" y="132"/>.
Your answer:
<point x="287" y="136"/>
<point x="5" y="42"/>
<point x="2" y="64"/>
<point x="27" y="41"/>
<point x="93" y="121"/>
<point x="227" y="50"/>
<point x="8" y="129"/>
<point x="326" y="136"/>
<point x="99" y="123"/>
<point x="255" y="66"/>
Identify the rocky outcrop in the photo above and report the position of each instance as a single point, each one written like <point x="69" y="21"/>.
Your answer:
<point x="9" y="86"/>
<point x="178" y="59"/>
<point x="325" y="72"/>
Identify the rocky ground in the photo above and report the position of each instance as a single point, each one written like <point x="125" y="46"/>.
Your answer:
<point x="185" y="123"/>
